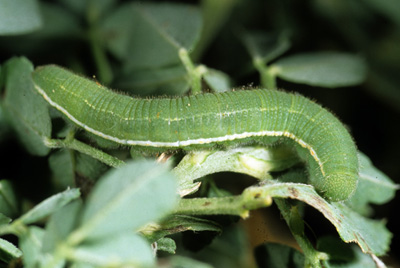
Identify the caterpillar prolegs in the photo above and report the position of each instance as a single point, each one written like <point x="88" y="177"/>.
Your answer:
<point x="209" y="119"/>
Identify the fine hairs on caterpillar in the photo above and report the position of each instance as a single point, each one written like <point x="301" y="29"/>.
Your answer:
<point x="205" y="120"/>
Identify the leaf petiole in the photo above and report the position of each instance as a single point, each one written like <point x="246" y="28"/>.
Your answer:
<point x="74" y="144"/>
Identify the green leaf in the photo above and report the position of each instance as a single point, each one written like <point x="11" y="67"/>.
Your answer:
<point x="126" y="199"/>
<point x="217" y="80"/>
<point x="31" y="246"/>
<point x="61" y="165"/>
<point x="49" y="206"/>
<point x="188" y="223"/>
<point x="8" y="251"/>
<point x="125" y="249"/>
<point x="177" y="224"/>
<point x="8" y="200"/>
<point x="149" y="35"/>
<point x="171" y="80"/>
<point x="166" y="244"/>
<point x="60" y="225"/>
<point x="373" y="187"/>
<point x="26" y="110"/>
<point x="58" y="24"/>
<point x="325" y="69"/>
<point x="371" y="235"/>
<point x="19" y="16"/>
<point x="265" y="46"/>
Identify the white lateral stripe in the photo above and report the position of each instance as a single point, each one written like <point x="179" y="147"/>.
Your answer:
<point x="184" y="143"/>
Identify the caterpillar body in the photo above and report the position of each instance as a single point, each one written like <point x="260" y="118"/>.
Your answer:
<point x="210" y="119"/>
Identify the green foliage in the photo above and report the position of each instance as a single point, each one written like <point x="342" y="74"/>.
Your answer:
<point x="48" y="206"/>
<point x="324" y="69"/>
<point x="160" y="28"/>
<point x="374" y="187"/>
<point x="8" y="199"/>
<point x="8" y="251"/>
<point x="117" y="193"/>
<point x="18" y="17"/>
<point x="71" y="202"/>
<point x="27" y="111"/>
<point x="349" y="224"/>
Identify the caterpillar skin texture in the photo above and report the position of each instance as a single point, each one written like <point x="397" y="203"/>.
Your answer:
<point x="210" y="119"/>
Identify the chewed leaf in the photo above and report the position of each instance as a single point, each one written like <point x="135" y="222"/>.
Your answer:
<point x="371" y="235"/>
<point x="126" y="199"/>
<point x="254" y="161"/>
<point x="373" y="187"/>
<point x="326" y="69"/>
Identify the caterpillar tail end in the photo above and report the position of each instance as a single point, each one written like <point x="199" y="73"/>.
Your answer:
<point x="338" y="187"/>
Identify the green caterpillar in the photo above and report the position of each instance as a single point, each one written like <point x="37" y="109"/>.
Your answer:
<point x="210" y="119"/>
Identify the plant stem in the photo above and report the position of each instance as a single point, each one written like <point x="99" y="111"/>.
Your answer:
<point x="195" y="74"/>
<point x="16" y="228"/>
<point x="230" y="205"/>
<point x="313" y="257"/>
<point x="86" y="149"/>
<point x="104" y="71"/>
<point x="267" y="74"/>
